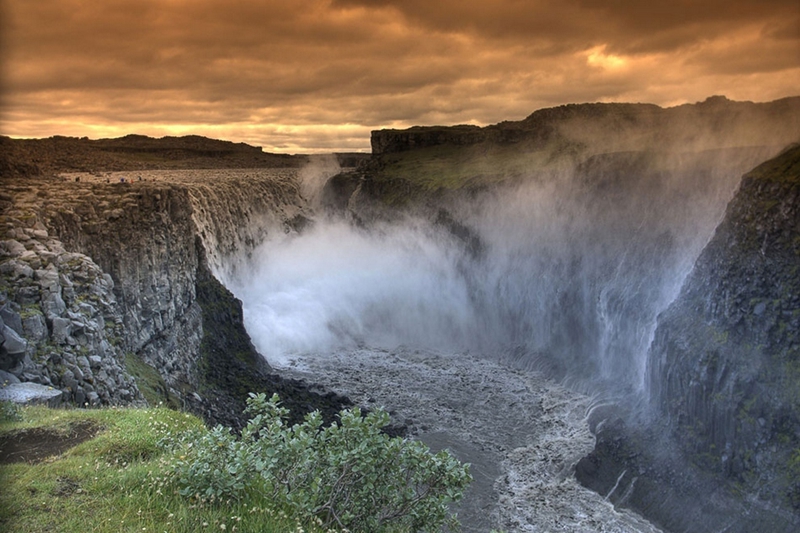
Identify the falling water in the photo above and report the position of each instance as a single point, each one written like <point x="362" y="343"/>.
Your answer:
<point x="447" y="318"/>
<point x="566" y="272"/>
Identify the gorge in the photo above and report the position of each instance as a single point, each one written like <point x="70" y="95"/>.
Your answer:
<point x="566" y="246"/>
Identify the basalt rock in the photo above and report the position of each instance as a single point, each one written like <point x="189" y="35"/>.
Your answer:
<point x="107" y="291"/>
<point x="724" y="367"/>
<point x="610" y="127"/>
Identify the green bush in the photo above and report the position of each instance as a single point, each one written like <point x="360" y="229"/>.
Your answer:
<point x="348" y="475"/>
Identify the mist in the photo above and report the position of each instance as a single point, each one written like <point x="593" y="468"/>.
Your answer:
<point x="564" y="272"/>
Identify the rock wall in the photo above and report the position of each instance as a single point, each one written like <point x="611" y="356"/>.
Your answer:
<point x="724" y="367"/>
<point x="109" y="288"/>
<point x="60" y="321"/>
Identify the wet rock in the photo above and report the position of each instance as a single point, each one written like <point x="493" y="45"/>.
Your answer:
<point x="725" y="353"/>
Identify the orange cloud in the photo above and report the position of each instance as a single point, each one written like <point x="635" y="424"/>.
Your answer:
<point x="312" y="75"/>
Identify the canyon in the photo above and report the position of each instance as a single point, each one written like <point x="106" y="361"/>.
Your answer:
<point x="613" y="248"/>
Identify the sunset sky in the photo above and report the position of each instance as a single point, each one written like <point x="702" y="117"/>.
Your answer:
<point x="318" y="75"/>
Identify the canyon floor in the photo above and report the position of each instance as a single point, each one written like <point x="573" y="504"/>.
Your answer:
<point x="522" y="433"/>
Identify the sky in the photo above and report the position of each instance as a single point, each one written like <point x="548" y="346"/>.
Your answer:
<point x="304" y="76"/>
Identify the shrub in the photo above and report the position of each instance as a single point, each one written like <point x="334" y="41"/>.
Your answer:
<point x="348" y="475"/>
<point x="10" y="412"/>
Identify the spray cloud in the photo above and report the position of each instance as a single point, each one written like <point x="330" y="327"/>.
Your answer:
<point x="571" y="270"/>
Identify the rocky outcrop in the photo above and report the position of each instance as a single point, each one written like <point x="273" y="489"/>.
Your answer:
<point x="390" y="140"/>
<point x="29" y="393"/>
<point x="60" y="321"/>
<point x="108" y="293"/>
<point x="724" y="367"/>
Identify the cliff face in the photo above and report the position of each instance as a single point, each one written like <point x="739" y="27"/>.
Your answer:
<point x="724" y="366"/>
<point x="61" y="325"/>
<point x="614" y="127"/>
<point x="723" y="369"/>
<point x="108" y="289"/>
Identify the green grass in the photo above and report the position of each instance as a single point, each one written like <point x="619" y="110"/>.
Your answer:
<point x="450" y="167"/>
<point x="150" y="382"/>
<point x="119" y="481"/>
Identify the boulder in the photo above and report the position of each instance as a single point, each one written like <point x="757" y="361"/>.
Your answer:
<point x="61" y="330"/>
<point x="11" y="248"/>
<point x="12" y="349"/>
<point x="6" y="378"/>
<point x="34" y="327"/>
<point x="53" y="305"/>
<point x="30" y="394"/>
<point x="11" y="318"/>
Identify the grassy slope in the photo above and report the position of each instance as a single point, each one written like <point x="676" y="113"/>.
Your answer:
<point x="116" y="482"/>
<point x="449" y="167"/>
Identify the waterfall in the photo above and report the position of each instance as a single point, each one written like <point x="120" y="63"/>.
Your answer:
<point x="571" y="271"/>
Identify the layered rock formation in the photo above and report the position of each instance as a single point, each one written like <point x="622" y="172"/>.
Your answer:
<point x="108" y="293"/>
<point x="725" y="363"/>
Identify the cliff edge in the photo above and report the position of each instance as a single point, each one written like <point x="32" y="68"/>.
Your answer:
<point x="107" y="292"/>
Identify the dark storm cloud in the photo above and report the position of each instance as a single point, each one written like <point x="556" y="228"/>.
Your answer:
<point x="629" y="25"/>
<point x="320" y="70"/>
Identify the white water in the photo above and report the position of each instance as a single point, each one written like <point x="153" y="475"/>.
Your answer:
<point x="521" y="433"/>
<point x="336" y="287"/>
<point x="570" y="275"/>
